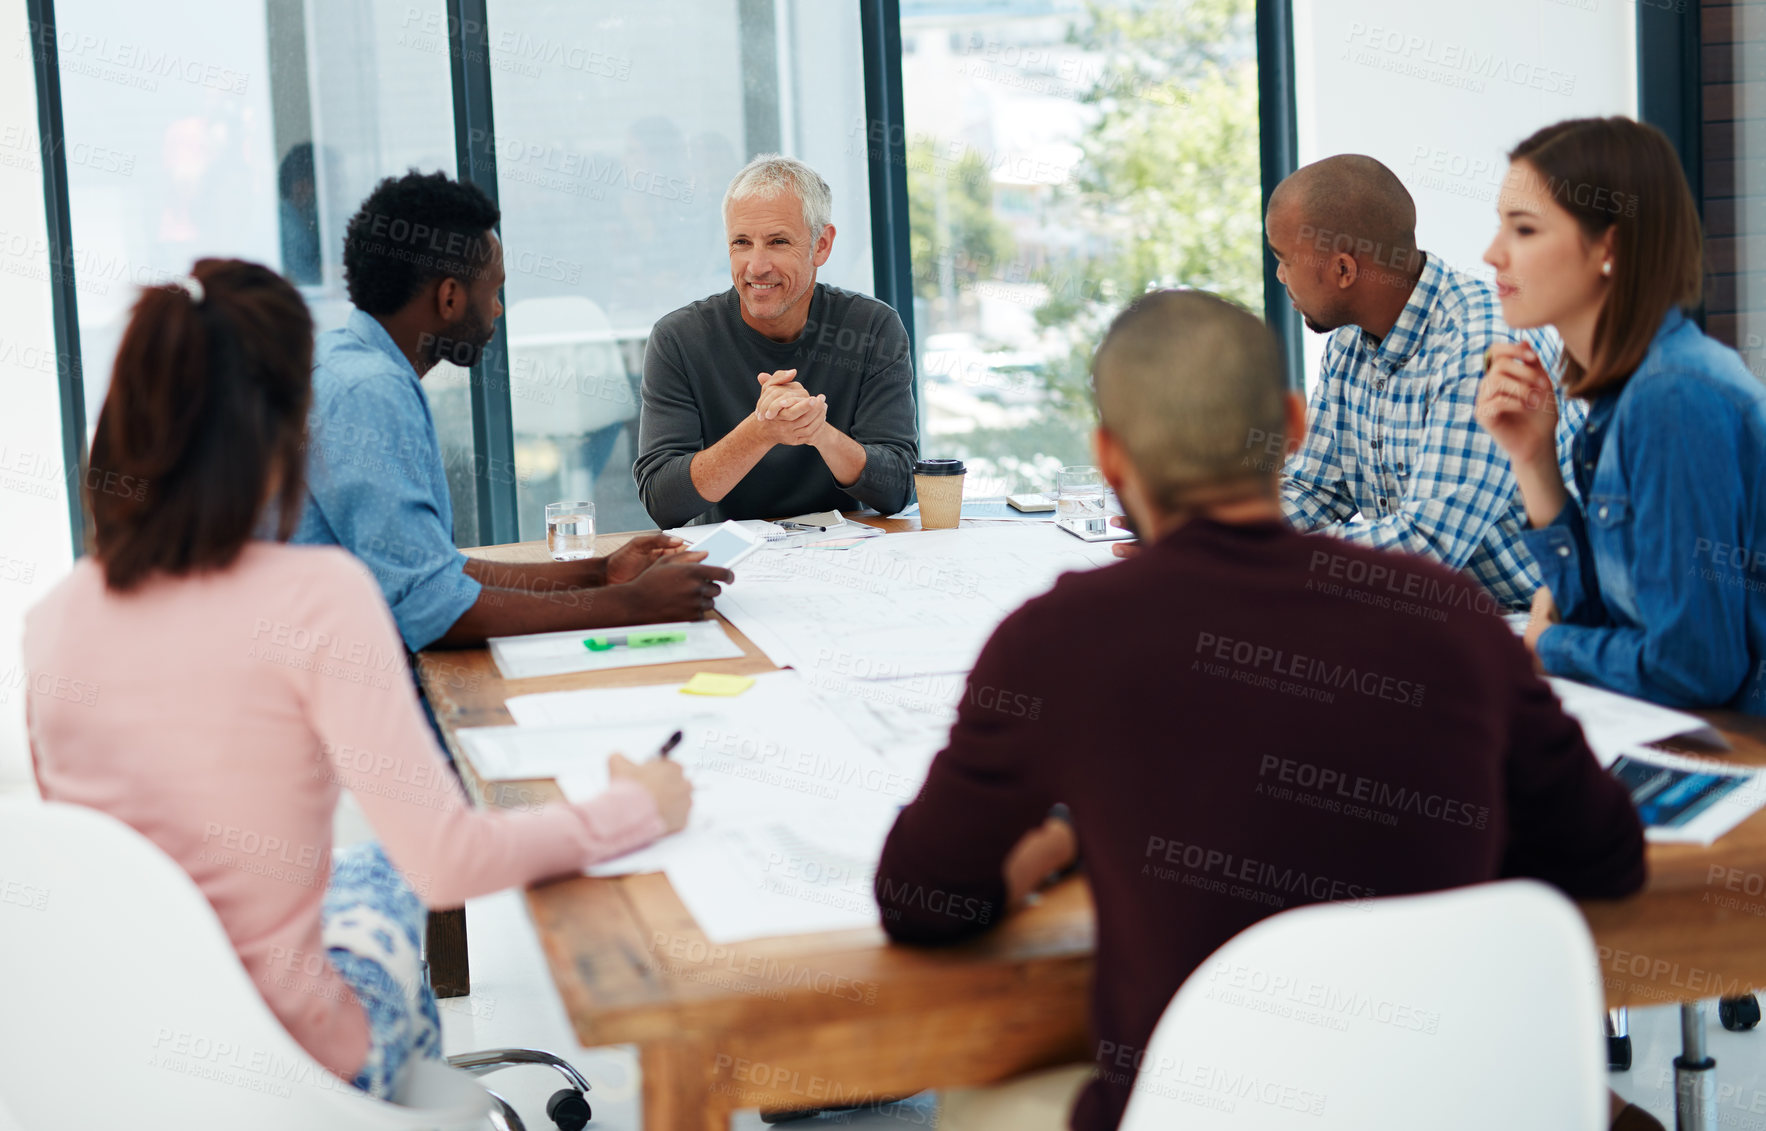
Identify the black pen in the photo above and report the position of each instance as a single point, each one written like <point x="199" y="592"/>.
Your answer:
<point x="674" y="740"/>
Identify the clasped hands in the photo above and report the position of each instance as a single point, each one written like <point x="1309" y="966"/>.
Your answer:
<point x="785" y="412"/>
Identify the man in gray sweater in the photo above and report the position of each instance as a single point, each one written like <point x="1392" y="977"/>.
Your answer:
<point x="781" y="395"/>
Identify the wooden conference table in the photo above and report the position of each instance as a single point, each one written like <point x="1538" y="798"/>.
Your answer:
<point x="845" y="1017"/>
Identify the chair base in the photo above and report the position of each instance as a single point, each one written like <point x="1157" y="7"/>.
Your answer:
<point x="1739" y="1014"/>
<point x="568" y="1108"/>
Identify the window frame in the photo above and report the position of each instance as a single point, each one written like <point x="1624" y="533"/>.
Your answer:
<point x="59" y="242"/>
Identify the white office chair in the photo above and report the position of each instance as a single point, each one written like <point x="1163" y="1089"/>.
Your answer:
<point x="1473" y="1008"/>
<point x="129" y="1008"/>
<point x="568" y="383"/>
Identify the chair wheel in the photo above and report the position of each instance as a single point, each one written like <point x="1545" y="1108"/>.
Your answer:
<point x="1739" y="1014"/>
<point x="1619" y="1054"/>
<point x="569" y="1109"/>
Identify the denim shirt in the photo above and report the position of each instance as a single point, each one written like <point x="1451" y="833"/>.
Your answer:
<point x="1659" y="573"/>
<point x="376" y="484"/>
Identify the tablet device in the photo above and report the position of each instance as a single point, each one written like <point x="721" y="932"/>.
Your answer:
<point x="727" y="545"/>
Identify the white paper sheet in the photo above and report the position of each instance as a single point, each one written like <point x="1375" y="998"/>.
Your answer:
<point x="559" y="653"/>
<point x="777" y="737"/>
<point x="776" y="752"/>
<point x="712" y="810"/>
<point x="900" y="605"/>
<point x="785" y="877"/>
<point x="1612" y="722"/>
<point x="906" y="721"/>
<point x="693" y="535"/>
<point x="521" y="753"/>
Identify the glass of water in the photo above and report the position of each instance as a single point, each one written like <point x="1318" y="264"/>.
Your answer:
<point x="570" y="530"/>
<point x="1080" y="500"/>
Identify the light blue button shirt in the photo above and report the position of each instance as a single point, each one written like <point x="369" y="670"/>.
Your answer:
<point x="375" y="480"/>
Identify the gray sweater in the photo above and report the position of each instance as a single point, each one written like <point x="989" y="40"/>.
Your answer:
<point x="699" y="383"/>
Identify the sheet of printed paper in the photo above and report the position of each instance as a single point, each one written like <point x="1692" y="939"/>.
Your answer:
<point x="907" y="721"/>
<point x="785" y="877"/>
<point x="713" y="810"/>
<point x="1612" y="722"/>
<point x="777" y="751"/>
<point x="529" y="753"/>
<point x="693" y="535"/>
<point x="899" y="605"/>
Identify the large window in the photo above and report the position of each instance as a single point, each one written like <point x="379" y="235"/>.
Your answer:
<point x="1063" y="157"/>
<point x="247" y="130"/>
<point x="362" y="91"/>
<point x="176" y="116"/>
<point x="618" y="128"/>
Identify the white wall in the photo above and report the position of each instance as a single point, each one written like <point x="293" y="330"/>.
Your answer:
<point x="1440" y="92"/>
<point x="35" y="542"/>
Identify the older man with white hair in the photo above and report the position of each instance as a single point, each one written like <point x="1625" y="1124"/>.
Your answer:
<point x="781" y="395"/>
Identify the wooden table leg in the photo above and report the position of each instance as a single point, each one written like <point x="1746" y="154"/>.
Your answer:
<point x="450" y="973"/>
<point x="680" y="1092"/>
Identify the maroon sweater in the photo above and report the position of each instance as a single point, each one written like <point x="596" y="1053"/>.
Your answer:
<point x="1244" y="719"/>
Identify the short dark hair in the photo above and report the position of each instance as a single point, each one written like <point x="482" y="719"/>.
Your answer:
<point x="1614" y="173"/>
<point x="207" y="411"/>
<point x="412" y="230"/>
<point x="1193" y="387"/>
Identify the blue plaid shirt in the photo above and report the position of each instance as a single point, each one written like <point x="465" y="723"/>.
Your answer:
<point x="1394" y="457"/>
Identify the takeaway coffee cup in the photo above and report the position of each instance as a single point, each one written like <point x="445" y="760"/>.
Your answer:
<point x="939" y="483"/>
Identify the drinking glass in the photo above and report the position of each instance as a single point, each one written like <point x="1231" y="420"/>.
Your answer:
<point x="1080" y="500"/>
<point x="570" y="530"/>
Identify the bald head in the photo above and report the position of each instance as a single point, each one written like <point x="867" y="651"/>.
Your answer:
<point x="1358" y="203"/>
<point x="1192" y="387"/>
<point x="1344" y="232"/>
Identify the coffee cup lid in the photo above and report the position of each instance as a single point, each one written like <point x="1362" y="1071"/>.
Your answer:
<point x="939" y="467"/>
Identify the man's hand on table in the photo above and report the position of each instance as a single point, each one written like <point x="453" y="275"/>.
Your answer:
<point x="664" y="781"/>
<point x="675" y="590"/>
<point x="1124" y="549"/>
<point x="644" y="551"/>
<point x="1039" y="854"/>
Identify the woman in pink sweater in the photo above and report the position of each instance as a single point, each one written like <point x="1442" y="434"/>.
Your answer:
<point x="216" y="692"/>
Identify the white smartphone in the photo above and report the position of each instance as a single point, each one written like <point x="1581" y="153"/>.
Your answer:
<point x="1094" y="529"/>
<point x="727" y="545"/>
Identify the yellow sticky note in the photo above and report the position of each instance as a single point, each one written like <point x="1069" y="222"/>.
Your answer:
<point x="711" y="683"/>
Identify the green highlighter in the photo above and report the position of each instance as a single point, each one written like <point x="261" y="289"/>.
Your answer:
<point x="634" y="640"/>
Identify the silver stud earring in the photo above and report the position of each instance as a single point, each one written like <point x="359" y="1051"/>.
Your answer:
<point x="1606" y="268"/>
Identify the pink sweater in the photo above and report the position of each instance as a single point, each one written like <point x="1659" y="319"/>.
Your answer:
<point x="220" y="714"/>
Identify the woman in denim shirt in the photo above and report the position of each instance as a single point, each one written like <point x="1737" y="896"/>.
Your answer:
<point x="1655" y="583"/>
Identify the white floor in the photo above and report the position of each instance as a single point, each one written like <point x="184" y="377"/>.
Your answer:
<point x="1741" y="1068"/>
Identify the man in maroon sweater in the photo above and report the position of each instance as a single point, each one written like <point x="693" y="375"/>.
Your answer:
<point x="1240" y="718"/>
